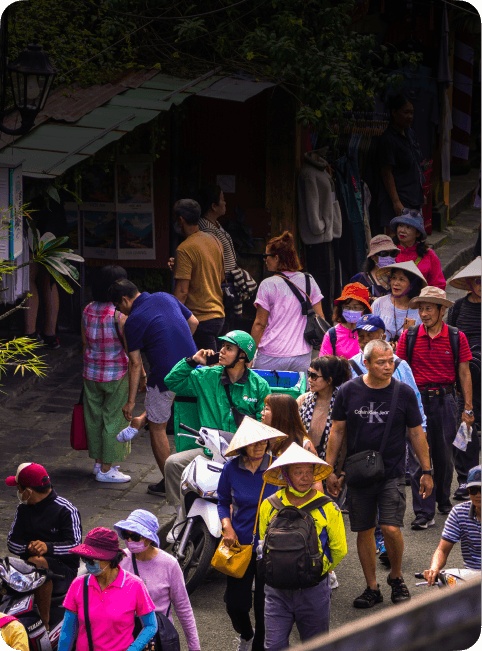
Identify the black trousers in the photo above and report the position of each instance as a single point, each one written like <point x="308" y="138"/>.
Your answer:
<point x="239" y="601"/>
<point x="441" y="413"/>
<point x="207" y="333"/>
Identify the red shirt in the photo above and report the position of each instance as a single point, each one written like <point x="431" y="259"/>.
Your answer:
<point x="432" y="359"/>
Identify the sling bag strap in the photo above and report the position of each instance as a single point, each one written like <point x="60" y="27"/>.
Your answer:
<point x="237" y="415"/>
<point x="136" y="572"/>
<point x="277" y="504"/>
<point x="359" y="372"/>
<point x="88" y="628"/>
<point x="391" y="416"/>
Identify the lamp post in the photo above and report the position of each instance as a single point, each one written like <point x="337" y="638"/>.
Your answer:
<point x="30" y="76"/>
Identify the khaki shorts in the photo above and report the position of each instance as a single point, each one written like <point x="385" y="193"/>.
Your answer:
<point x="158" y="405"/>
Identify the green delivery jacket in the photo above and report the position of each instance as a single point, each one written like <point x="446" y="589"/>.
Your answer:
<point x="207" y="385"/>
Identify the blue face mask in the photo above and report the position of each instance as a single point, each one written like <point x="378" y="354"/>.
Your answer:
<point x="94" y="568"/>
<point x="352" y="316"/>
<point x="385" y="261"/>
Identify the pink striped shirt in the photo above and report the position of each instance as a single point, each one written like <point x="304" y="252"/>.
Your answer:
<point x="104" y="357"/>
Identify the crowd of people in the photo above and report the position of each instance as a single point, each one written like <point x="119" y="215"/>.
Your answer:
<point x="391" y="382"/>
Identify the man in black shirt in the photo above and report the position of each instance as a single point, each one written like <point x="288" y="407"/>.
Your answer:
<point x="44" y="529"/>
<point x="359" y="415"/>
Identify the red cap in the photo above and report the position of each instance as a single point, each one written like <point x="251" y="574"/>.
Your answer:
<point x="357" y="291"/>
<point x="32" y="475"/>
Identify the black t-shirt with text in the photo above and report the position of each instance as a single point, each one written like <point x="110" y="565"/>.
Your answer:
<point x="365" y="411"/>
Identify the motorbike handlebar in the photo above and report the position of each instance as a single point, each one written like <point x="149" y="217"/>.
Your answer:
<point x="188" y="429"/>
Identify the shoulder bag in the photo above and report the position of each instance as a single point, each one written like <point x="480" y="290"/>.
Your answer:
<point x="234" y="560"/>
<point x="315" y="327"/>
<point x="366" y="468"/>
<point x="166" y="637"/>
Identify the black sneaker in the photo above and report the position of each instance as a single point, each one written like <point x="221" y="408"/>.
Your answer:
<point x="50" y="342"/>
<point x="421" y="522"/>
<point x="461" y="493"/>
<point x="157" y="489"/>
<point x="445" y="508"/>
<point x="369" y="598"/>
<point x="399" y="590"/>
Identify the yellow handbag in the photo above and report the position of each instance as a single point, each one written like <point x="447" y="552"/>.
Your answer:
<point x="234" y="560"/>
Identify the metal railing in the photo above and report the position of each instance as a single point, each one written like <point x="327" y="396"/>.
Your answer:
<point x="446" y="619"/>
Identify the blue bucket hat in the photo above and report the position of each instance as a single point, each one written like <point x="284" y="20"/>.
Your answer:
<point x="370" y="323"/>
<point x="473" y="478"/>
<point x="143" y="522"/>
<point x="410" y="217"/>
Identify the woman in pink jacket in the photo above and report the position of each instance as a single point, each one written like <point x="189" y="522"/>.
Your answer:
<point x="410" y="239"/>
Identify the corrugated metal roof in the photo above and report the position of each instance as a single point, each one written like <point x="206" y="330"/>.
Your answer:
<point x="89" y="119"/>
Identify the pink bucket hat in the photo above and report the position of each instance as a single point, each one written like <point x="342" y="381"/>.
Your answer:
<point x="382" y="243"/>
<point x="101" y="544"/>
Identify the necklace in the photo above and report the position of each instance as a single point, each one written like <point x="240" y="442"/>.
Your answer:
<point x="397" y="330"/>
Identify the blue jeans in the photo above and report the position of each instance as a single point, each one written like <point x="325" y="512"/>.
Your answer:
<point x="308" y="607"/>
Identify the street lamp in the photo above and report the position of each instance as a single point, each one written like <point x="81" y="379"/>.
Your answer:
<point x="31" y="77"/>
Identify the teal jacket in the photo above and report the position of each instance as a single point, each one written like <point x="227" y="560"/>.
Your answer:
<point x="207" y="385"/>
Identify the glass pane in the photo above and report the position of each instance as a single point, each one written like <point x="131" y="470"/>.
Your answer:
<point x="45" y="83"/>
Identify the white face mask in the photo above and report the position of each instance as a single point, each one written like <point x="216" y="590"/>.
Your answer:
<point x="19" y="496"/>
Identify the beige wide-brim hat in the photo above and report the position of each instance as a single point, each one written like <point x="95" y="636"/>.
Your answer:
<point x="382" y="243"/>
<point x="295" y="454"/>
<point x="251" y="431"/>
<point x="430" y="295"/>
<point x="472" y="270"/>
<point x="409" y="266"/>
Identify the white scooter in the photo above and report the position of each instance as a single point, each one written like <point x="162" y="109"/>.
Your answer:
<point x="451" y="577"/>
<point x="197" y="537"/>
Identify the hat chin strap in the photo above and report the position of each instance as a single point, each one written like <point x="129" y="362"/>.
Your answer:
<point x="236" y="359"/>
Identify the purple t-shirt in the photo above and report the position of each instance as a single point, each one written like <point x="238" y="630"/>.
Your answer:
<point x="283" y="336"/>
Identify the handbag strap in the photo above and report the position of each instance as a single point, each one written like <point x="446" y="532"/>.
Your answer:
<point x="391" y="415"/>
<point x="136" y="572"/>
<point x="295" y="289"/>
<point x="259" y="505"/>
<point x="86" y="612"/>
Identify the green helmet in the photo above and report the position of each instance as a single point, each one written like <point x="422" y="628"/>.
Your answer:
<point x="242" y="340"/>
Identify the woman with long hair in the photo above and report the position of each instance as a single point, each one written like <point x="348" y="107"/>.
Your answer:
<point x="278" y="329"/>
<point x="281" y="412"/>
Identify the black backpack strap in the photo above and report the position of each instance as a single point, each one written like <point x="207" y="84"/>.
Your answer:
<point x="411" y="339"/>
<point x="275" y="502"/>
<point x="304" y="302"/>
<point x="391" y="415"/>
<point x="454" y="338"/>
<point x="355" y="367"/>
<point x="397" y="364"/>
<point x="332" y="335"/>
<point x="88" y="627"/>
<point x="316" y="504"/>
<point x="134" y="565"/>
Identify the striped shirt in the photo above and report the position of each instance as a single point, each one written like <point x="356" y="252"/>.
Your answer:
<point x="104" y="358"/>
<point x="462" y="524"/>
<point x="225" y="238"/>
<point x="432" y="360"/>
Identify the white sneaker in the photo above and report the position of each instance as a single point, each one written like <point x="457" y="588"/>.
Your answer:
<point x="333" y="581"/>
<point x="175" y="531"/>
<point x="127" y="434"/>
<point x="96" y="469"/>
<point x="243" y="645"/>
<point x="114" y="475"/>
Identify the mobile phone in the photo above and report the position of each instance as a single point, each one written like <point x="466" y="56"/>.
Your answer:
<point x="212" y="359"/>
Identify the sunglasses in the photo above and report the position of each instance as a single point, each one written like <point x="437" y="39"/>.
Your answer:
<point x="314" y="376"/>
<point x="386" y="254"/>
<point x="476" y="281"/>
<point x="265" y="256"/>
<point x="473" y="490"/>
<point x="129" y="535"/>
<point x="412" y="213"/>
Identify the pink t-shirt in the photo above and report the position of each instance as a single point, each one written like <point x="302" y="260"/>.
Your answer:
<point x="346" y="343"/>
<point x="283" y="336"/>
<point x="165" y="582"/>
<point x="111" y="611"/>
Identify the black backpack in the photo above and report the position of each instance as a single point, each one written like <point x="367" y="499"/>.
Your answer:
<point x="454" y="339"/>
<point x="291" y="555"/>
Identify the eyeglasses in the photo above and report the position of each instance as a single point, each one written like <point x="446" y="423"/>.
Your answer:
<point x="87" y="559"/>
<point x="130" y="535"/>
<point x="267" y="255"/>
<point x="473" y="490"/>
<point x="314" y="376"/>
<point x="385" y="254"/>
<point x="412" y="213"/>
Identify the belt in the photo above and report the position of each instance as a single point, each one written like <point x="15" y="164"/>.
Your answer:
<point x="439" y="390"/>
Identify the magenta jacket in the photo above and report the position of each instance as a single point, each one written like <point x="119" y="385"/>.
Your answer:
<point x="429" y="265"/>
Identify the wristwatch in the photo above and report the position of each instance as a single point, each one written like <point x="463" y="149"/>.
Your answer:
<point x="469" y="412"/>
<point x="428" y="472"/>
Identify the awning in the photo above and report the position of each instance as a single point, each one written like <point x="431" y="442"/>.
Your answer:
<point x="58" y="142"/>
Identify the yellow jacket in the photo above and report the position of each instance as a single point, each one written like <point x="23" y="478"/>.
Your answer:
<point x="15" y="635"/>
<point x="329" y="526"/>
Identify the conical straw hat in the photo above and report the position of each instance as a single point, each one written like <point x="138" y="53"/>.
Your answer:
<point x="251" y="431"/>
<point x="404" y="266"/>
<point x="472" y="270"/>
<point x="295" y="454"/>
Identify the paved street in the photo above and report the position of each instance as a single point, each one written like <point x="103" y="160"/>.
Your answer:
<point x="36" y="427"/>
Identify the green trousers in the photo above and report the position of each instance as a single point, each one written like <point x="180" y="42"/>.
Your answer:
<point x="103" y="402"/>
